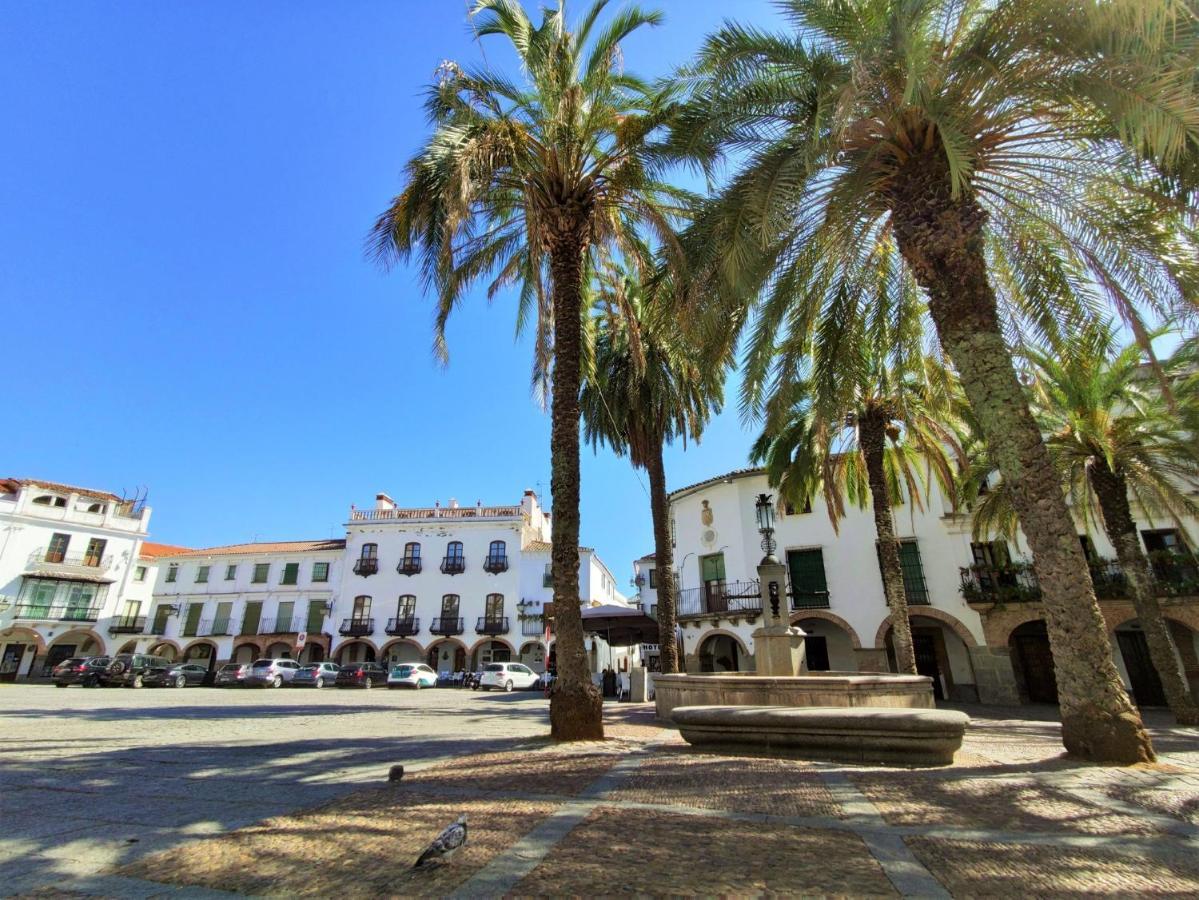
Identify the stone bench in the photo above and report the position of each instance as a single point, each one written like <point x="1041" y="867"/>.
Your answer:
<point x="914" y="737"/>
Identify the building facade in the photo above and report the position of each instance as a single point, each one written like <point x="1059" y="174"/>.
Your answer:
<point x="976" y="616"/>
<point x="69" y="572"/>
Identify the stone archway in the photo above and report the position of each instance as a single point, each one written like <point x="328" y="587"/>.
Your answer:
<point x="533" y="655"/>
<point x="828" y="646"/>
<point x="22" y="648"/>
<point x="202" y="652"/>
<point x="928" y="612"/>
<point x="490" y="650"/>
<point x="722" y="651"/>
<point x="446" y="656"/>
<point x="357" y="650"/>
<point x="942" y="645"/>
<point x="401" y="651"/>
<point x="167" y="649"/>
<point x="833" y="618"/>
<point x="72" y="642"/>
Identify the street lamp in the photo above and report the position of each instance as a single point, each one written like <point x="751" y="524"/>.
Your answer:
<point x="764" y="510"/>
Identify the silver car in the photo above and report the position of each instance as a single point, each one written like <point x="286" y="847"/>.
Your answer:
<point x="272" y="672"/>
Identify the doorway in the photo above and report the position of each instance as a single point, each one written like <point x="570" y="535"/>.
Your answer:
<point x="10" y="662"/>
<point x="816" y="653"/>
<point x="1034" y="662"/>
<point x="1146" y="685"/>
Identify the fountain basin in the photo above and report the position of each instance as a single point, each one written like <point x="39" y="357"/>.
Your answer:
<point x="812" y="689"/>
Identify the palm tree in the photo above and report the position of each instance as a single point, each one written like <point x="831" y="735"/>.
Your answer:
<point x="870" y="430"/>
<point x="988" y="139"/>
<point x="645" y="389"/>
<point x="1111" y="432"/>
<point x="519" y="182"/>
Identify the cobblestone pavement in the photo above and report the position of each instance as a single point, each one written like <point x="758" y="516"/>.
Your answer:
<point x="642" y="813"/>
<point x="94" y="778"/>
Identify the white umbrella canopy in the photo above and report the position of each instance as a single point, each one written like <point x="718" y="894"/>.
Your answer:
<point x="620" y="626"/>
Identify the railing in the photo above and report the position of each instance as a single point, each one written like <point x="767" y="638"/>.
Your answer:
<point x="366" y="566"/>
<point x="453" y="565"/>
<point x="409" y="565"/>
<point x="730" y="598"/>
<point x="405" y="627"/>
<point x="356" y="627"/>
<point x="285" y="625"/>
<point x="1011" y="583"/>
<point x="809" y="599"/>
<point x="495" y="564"/>
<point x="58" y="613"/>
<point x="128" y="625"/>
<point x="437" y="512"/>
<point x="218" y="628"/>
<point x="1176" y="574"/>
<point x="532" y="627"/>
<point x="199" y="629"/>
<point x="159" y="628"/>
<point x="70" y="561"/>
<point x="492" y="626"/>
<point x="445" y="626"/>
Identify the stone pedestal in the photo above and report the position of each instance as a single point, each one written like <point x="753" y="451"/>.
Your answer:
<point x="638" y="685"/>
<point x="994" y="676"/>
<point x="778" y="646"/>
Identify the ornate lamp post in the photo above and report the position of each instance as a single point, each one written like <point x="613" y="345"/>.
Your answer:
<point x="764" y="510"/>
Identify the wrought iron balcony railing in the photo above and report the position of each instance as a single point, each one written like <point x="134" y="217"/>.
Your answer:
<point x="532" y="626"/>
<point x="356" y="627"/>
<point x="409" y="565"/>
<point x="453" y="565"/>
<point x="366" y="566"/>
<point x="809" y="599"/>
<point x="446" y="626"/>
<point x="58" y="613"/>
<point x="285" y="625"/>
<point x="496" y="564"/>
<point x="405" y="627"/>
<point x="727" y="598"/>
<point x="492" y="625"/>
<point x="52" y="560"/>
<point x="127" y="625"/>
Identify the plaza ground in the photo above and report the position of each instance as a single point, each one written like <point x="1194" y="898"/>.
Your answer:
<point x="135" y="793"/>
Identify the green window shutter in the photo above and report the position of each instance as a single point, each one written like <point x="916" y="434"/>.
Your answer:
<point x="194" y="611"/>
<point x="291" y="573"/>
<point x="252" y="618"/>
<point x="316" y="617"/>
<point x="807" y="572"/>
<point x="913" y="572"/>
<point x="712" y="567"/>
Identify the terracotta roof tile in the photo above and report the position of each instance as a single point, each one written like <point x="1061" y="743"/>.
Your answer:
<point x="268" y="547"/>
<point x="11" y="485"/>
<point x="546" y="547"/>
<point x="736" y="473"/>
<point x="150" y="550"/>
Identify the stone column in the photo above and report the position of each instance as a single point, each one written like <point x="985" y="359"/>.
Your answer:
<point x="994" y="676"/>
<point x="778" y="646"/>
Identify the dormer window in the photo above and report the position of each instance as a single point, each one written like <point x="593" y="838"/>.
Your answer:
<point x="497" y="558"/>
<point x="454" y="562"/>
<point x="410" y="564"/>
<point x="368" y="560"/>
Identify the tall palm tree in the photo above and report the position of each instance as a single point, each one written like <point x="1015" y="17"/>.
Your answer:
<point x="519" y="182"/>
<point x="988" y="139"/>
<point x="1112" y="434"/>
<point x="870" y="430"/>
<point x="646" y="388"/>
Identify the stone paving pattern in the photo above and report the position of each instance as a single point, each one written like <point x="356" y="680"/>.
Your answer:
<point x="637" y="814"/>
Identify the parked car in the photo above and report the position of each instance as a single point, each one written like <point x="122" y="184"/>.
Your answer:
<point x="232" y="674"/>
<point x="315" y="675"/>
<point x="365" y="674"/>
<point x="508" y="676"/>
<point x="272" y="672"/>
<point x="131" y="669"/>
<point x="177" y="676"/>
<point x="413" y="675"/>
<point x="81" y="670"/>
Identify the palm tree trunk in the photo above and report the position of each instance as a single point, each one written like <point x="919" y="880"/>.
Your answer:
<point x="872" y="435"/>
<point x="663" y="561"/>
<point x="576" y="707"/>
<point x="940" y="237"/>
<point x="1111" y="489"/>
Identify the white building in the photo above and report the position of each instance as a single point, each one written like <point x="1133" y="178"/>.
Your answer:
<point x="974" y="606"/>
<point x="69" y="563"/>
<point x="244" y="601"/>
<point x="456" y="586"/>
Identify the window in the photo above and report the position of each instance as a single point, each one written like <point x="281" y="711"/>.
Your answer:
<point x="1088" y="548"/>
<point x="368" y="560"/>
<point x="139" y="574"/>
<point x="789" y="508"/>
<point x="132" y="608"/>
<point x="362" y="607"/>
<point x="49" y="500"/>
<point x="653" y="578"/>
<point x="914" y="585"/>
<point x="370" y="551"/>
<point x="449" y="606"/>
<point x="291" y="573"/>
<point x="283" y="616"/>
<point x="95" y="552"/>
<point x="202" y="574"/>
<point x="220" y="622"/>
<point x="454" y="562"/>
<point x="1170" y="557"/>
<point x="547" y="577"/>
<point x="316" y="617"/>
<point x="96" y="508"/>
<point x="494" y="607"/>
<point x="320" y="571"/>
<point x="497" y="558"/>
<point x="809" y="587"/>
<point x="160" y="620"/>
<point x="262" y="571"/>
<point x="406" y="608"/>
<point x="192" y="624"/>
<point x="230" y="572"/>
<point x="172" y="573"/>
<point x="410" y="564"/>
<point x="712" y="574"/>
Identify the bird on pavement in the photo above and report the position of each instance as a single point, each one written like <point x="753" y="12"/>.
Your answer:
<point x="444" y="844"/>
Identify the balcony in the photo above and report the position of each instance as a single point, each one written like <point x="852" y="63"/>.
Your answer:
<point x="366" y="566"/>
<point x="405" y="627"/>
<point x="57" y="613"/>
<point x="453" y="565"/>
<point x="547" y="580"/>
<point x="128" y="625"/>
<point x="809" y="600"/>
<point x="532" y="626"/>
<point x="200" y="628"/>
<point x="495" y="564"/>
<point x="1010" y="583"/>
<point x="218" y="628"/>
<point x="446" y="626"/>
<point x="67" y="564"/>
<point x="733" y="598"/>
<point x="285" y="625"/>
<point x="409" y="565"/>
<point x="1174" y="575"/>
<point x="356" y="627"/>
<point x="492" y="626"/>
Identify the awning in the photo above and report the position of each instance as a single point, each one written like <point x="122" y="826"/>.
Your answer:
<point x="620" y="626"/>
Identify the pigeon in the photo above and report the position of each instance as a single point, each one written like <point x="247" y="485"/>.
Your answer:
<point x="444" y="844"/>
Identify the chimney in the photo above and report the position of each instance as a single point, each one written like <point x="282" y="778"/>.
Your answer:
<point x="382" y="501"/>
<point x="453" y="503"/>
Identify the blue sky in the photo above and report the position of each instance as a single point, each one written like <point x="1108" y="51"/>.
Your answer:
<point x="184" y="194"/>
